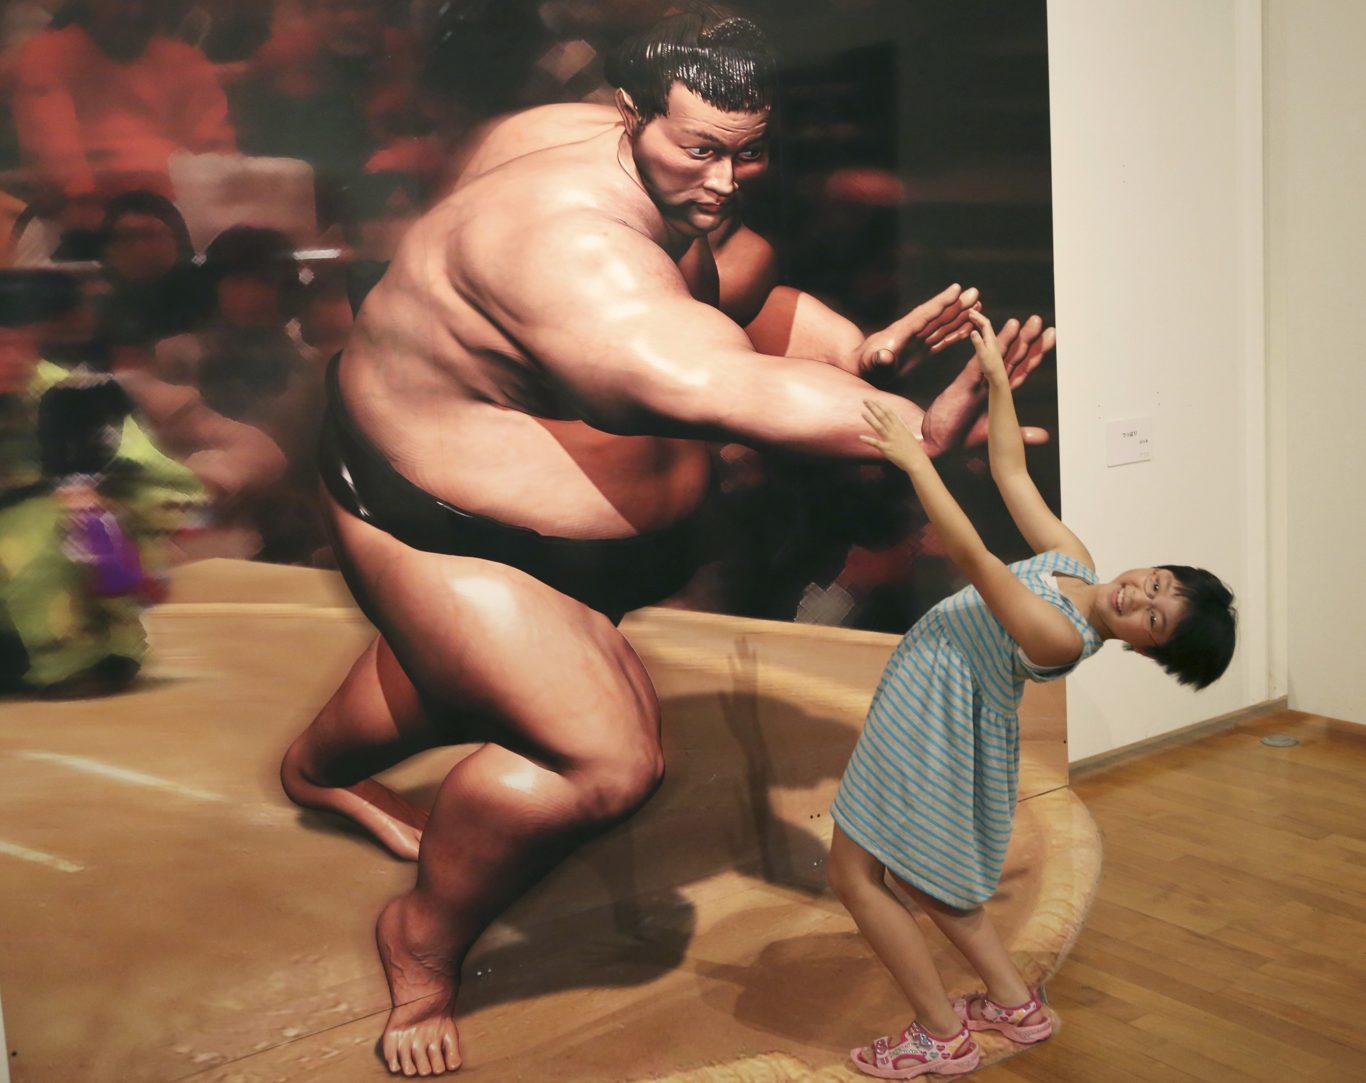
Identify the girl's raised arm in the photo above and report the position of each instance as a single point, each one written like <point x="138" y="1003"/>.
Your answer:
<point x="1042" y="529"/>
<point x="1048" y="637"/>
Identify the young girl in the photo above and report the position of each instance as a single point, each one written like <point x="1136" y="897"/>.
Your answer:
<point x="929" y="793"/>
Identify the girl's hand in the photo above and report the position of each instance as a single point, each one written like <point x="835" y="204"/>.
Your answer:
<point x="988" y="352"/>
<point x="894" y="440"/>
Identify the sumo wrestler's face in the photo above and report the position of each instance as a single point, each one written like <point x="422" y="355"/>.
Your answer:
<point x="693" y="159"/>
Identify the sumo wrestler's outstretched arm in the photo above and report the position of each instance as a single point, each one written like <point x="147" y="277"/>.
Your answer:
<point x="609" y="318"/>
<point x="785" y="321"/>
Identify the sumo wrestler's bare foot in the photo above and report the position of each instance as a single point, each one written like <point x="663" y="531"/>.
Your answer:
<point x="392" y="821"/>
<point x="420" y="1037"/>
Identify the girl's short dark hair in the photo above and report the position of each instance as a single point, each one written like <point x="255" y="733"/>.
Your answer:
<point x="1201" y="647"/>
<point x="723" y="58"/>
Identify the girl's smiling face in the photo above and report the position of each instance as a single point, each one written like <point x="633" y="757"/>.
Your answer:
<point x="1141" y="607"/>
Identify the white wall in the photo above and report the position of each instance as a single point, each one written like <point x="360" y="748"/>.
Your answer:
<point x="1158" y="211"/>
<point x="1316" y="277"/>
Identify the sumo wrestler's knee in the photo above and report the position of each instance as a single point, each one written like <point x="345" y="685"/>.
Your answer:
<point x="615" y="783"/>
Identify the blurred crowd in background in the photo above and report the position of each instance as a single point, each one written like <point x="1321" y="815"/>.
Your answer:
<point x="195" y="196"/>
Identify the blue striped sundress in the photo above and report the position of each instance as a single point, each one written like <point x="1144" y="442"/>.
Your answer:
<point x="930" y="788"/>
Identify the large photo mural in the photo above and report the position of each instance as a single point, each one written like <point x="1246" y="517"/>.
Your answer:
<point x="225" y="183"/>
<point x="417" y="418"/>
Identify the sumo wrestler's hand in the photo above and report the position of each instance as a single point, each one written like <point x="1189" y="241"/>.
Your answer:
<point x="958" y="416"/>
<point x="885" y="356"/>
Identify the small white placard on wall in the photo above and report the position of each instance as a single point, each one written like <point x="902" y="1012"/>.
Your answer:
<point x="1128" y="441"/>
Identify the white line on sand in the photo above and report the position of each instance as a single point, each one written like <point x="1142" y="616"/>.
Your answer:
<point x="122" y="774"/>
<point x="39" y="858"/>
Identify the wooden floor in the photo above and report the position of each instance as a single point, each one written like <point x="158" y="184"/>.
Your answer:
<point x="1228" y="941"/>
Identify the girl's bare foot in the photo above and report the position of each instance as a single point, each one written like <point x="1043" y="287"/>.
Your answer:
<point x="420" y="1037"/>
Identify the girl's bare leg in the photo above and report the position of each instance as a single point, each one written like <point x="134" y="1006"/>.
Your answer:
<point x="857" y="879"/>
<point x="972" y="933"/>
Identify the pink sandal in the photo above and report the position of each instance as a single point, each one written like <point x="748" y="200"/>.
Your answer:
<point x="1009" y="1021"/>
<point x="918" y="1052"/>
